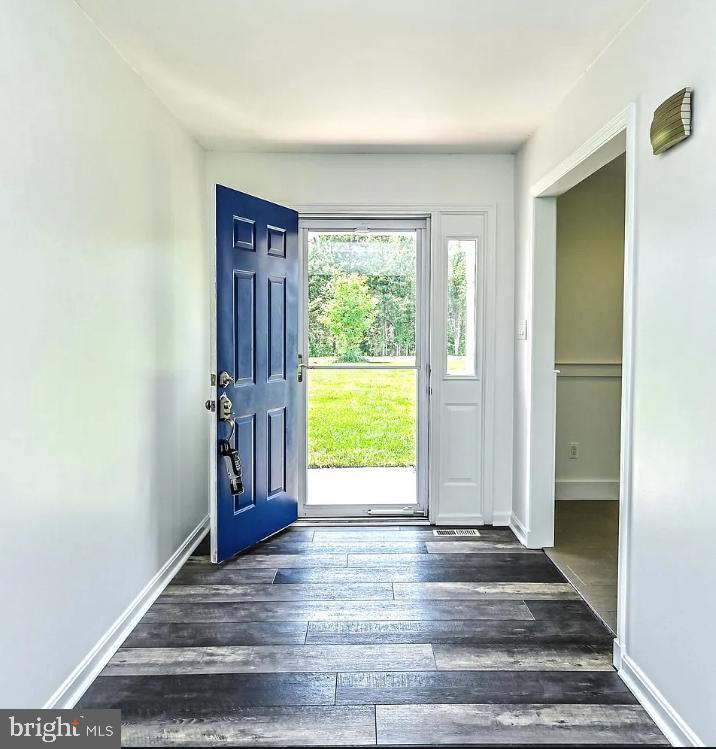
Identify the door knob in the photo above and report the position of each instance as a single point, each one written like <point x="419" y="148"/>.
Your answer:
<point x="225" y="379"/>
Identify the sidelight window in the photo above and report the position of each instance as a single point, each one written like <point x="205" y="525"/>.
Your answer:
<point x="461" y="334"/>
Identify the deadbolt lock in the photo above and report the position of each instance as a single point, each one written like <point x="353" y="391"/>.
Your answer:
<point x="225" y="379"/>
<point x="226" y="408"/>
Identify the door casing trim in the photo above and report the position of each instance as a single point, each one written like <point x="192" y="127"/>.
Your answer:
<point x="420" y="224"/>
<point x="617" y="136"/>
<point x="432" y="212"/>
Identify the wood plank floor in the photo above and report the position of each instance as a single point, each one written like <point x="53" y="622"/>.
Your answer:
<point x="335" y="636"/>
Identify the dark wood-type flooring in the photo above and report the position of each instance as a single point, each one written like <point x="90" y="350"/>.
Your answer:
<point x="339" y="636"/>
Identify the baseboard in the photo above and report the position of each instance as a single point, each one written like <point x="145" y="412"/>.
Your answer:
<point x="454" y="518"/>
<point x="671" y="724"/>
<point x="76" y="684"/>
<point x="519" y="530"/>
<point x="586" y="489"/>
<point x="616" y="654"/>
<point x="501" y="518"/>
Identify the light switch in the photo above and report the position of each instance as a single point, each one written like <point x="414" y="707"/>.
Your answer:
<point x="522" y="330"/>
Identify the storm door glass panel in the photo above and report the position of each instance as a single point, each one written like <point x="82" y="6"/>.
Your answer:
<point x="461" y="307"/>
<point x="362" y="379"/>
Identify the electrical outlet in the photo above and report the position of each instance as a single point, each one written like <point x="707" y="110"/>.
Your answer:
<point x="574" y="450"/>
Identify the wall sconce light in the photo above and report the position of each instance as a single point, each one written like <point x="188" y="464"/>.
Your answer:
<point x="672" y="121"/>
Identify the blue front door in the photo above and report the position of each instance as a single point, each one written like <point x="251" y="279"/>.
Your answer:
<point x="256" y="355"/>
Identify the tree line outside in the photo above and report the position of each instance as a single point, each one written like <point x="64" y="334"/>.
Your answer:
<point x="362" y="297"/>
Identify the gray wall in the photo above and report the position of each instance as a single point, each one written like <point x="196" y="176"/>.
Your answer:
<point x="104" y="309"/>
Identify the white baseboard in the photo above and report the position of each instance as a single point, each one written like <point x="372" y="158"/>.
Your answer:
<point x="454" y="518"/>
<point x="519" y="530"/>
<point x="670" y="723"/>
<point x="616" y="654"/>
<point x="501" y="518"/>
<point x="587" y="489"/>
<point x="76" y="684"/>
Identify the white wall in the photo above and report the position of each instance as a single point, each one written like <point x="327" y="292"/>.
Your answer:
<point x="103" y="303"/>
<point x="588" y="340"/>
<point x="373" y="179"/>
<point x="669" y="634"/>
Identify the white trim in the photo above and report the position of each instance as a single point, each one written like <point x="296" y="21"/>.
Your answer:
<point x="502" y="517"/>
<point x="489" y="365"/>
<point x="76" y="684"/>
<point x="347" y="223"/>
<point x="616" y="654"/>
<point x="454" y="518"/>
<point x="616" y="136"/>
<point x="628" y="365"/>
<point x="433" y="212"/>
<point x="542" y="407"/>
<point x="346" y="219"/>
<point x="519" y="530"/>
<point x="580" y="489"/>
<point x="383" y="210"/>
<point x="390" y="524"/>
<point x="668" y="720"/>
<point x="212" y="389"/>
<point x="580" y="163"/>
<point x="435" y="380"/>
<point x="395" y="513"/>
<point x="594" y="370"/>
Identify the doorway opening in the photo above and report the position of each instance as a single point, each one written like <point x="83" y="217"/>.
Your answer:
<point x="588" y="359"/>
<point x="364" y="362"/>
<point x="617" y="139"/>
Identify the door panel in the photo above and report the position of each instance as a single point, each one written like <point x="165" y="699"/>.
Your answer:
<point x="256" y="345"/>
<point x="277" y="329"/>
<point x="244" y="326"/>
<point x="246" y="445"/>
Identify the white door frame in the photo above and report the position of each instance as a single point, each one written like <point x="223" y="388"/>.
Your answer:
<point x="616" y="137"/>
<point x="488" y="307"/>
<point x="422" y="227"/>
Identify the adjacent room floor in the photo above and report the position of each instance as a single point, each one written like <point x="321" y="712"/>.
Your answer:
<point x="335" y="636"/>
<point x="586" y="550"/>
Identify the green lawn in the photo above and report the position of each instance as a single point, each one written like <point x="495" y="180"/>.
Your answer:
<point x="359" y="417"/>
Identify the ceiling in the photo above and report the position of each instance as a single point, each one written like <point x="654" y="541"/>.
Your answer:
<point x="361" y="75"/>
